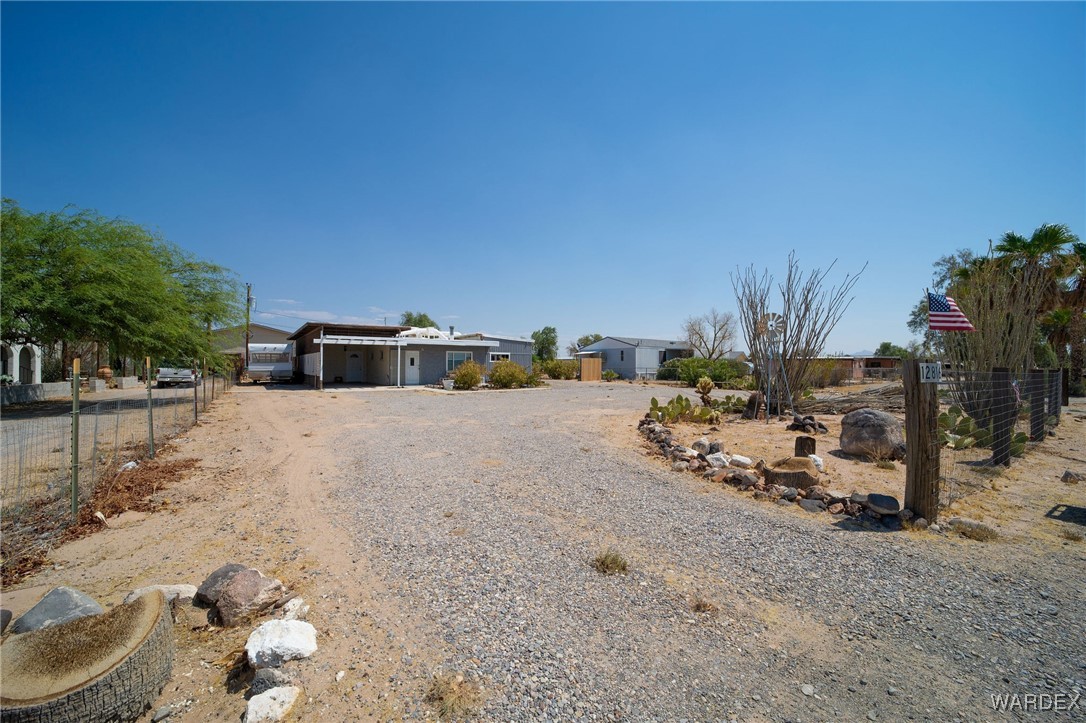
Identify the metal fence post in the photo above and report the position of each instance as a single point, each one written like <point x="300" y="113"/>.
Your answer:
<point x="922" y="484"/>
<point x="150" y="409"/>
<point x="1004" y="411"/>
<point x="1037" y="397"/>
<point x="195" y="396"/>
<point x="75" y="439"/>
<point x="1054" y="406"/>
<point x="203" y="380"/>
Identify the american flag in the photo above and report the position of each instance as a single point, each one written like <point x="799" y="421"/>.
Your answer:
<point x="944" y="314"/>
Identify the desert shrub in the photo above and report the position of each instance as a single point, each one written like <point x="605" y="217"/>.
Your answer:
<point x="453" y="696"/>
<point x="468" y="375"/>
<point x="610" y="375"/>
<point x="610" y="562"/>
<point x="560" y="368"/>
<point x="681" y="409"/>
<point x="668" y="371"/>
<point x="701" y="604"/>
<point x="535" y="377"/>
<point x="508" y="375"/>
<point x="825" y="373"/>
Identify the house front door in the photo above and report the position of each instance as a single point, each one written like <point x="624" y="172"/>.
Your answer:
<point x="411" y="367"/>
<point x="353" y="372"/>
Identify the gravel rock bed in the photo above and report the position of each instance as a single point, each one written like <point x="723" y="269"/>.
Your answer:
<point x="814" y="621"/>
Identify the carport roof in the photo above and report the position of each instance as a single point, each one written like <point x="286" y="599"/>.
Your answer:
<point x="347" y="330"/>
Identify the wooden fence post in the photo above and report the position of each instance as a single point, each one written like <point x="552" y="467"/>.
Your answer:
<point x="805" y="445"/>
<point x="921" y="429"/>
<point x="1035" y="387"/>
<point x="1004" y="412"/>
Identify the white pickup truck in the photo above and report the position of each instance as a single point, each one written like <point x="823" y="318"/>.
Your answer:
<point x="172" y="376"/>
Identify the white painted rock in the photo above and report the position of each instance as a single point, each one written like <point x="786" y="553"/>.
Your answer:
<point x="717" y="460"/>
<point x="742" y="462"/>
<point x="278" y="641"/>
<point x="818" y="463"/>
<point x="272" y="705"/>
<point x="183" y="593"/>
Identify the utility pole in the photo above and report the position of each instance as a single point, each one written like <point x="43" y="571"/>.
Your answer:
<point x="248" y="306"/>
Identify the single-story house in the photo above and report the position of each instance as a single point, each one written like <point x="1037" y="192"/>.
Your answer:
<point x="635" y="357"/>
<point x="380" y="355"/>
<point x="858" y="368"/>
<point x="509" y="348"/>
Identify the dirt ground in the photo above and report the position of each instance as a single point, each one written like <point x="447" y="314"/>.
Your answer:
<point x="260" y="495"/>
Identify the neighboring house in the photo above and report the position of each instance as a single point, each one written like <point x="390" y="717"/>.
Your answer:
<point x="858" y="368"/>
<point x="231" y="340"/>
<point x="634" y="357"/>
<point x="21" y="362"/>
<point x="380" y="355"/>
<point x="509" y="347"/>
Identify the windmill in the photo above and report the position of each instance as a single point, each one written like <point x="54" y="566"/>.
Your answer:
<point x="771" y="328"/>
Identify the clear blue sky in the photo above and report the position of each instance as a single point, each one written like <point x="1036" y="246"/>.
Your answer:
<point x="595" y="167"/>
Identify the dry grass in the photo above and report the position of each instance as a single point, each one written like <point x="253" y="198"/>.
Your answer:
<point x="452" y="696"/>
<point x="703" y="605"/>
<point x="610" y="562"/>
<point x="1072" y="535"/>
<point x="885" y="464"/>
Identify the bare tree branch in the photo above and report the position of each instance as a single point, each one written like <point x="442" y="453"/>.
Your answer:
<point x="710" y="335"/>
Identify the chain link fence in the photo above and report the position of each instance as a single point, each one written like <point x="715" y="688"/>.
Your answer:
<point x="36" y="451"/>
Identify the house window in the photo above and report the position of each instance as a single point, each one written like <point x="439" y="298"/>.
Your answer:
<point x="622" y="355"/>
<point x="453" y="359"/>
<point x="497" y="356"/>
<point x="663" y="356"/>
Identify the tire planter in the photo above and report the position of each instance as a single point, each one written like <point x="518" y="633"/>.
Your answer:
<point x="107" y="667"/>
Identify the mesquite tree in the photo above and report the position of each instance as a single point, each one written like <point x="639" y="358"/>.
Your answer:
<point x="810" y="312"/>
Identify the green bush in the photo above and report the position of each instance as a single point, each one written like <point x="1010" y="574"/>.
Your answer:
<point x="508" y="375"/>
<point x="561" y="368"/>
<point x="610" y="375"/>
<point x="468" y="375"/>
<point x="535" y="377"/>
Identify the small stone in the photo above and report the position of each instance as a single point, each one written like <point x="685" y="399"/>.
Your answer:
<point x="883" y="504"/>
<point x="892" y="691"/>
<point x="905" y="515"/>
<point x="1072" y="478"/>
<point x="277" y="641"/>
<point x="812" y="505"/>
<point x="267" y="678"/>
<point x="790" y="493"/>
<point x="738" y="460"/>
<point x="162" y="714"/>
<point x="59" y="605"/>
<point x="920" y="523"/>
<point x="680" y="466"/>
<point x="717" y="460"/>
<point x="807" y="689"/>
<point x="934" y="527"/>
<point x="702" y="445"/>
<point x="871" y="715"/>
<point x="341" y="675"/>
<point x="836" y="508"/>
<point x="271" y="705"/>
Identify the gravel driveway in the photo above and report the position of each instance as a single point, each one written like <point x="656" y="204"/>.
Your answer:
<point x="484" y="510"/>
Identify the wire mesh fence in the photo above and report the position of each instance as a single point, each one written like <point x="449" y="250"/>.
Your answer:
<point x="986" y="419"/>
<point x="36" y="450"/>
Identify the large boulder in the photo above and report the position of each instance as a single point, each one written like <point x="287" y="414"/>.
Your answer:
<point x="209" y="590"/>
<point x="872" y="433"/>
<point x="248" y="592"/>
